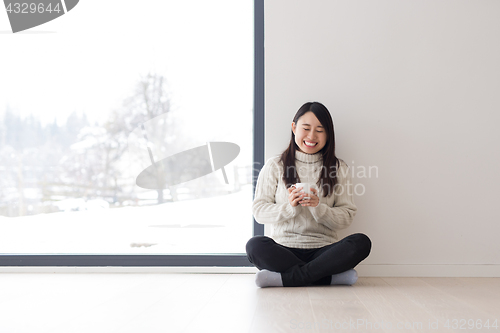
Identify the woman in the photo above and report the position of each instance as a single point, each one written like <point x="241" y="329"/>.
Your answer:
<point x="304" y="249"/>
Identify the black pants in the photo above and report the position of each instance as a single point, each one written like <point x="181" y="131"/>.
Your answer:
<point x="303" y="267"/>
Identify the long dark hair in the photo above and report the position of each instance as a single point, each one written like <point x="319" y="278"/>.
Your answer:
<point x="328" y="174"/>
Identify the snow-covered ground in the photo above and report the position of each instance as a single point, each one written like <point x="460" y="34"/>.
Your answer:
<point x="220" y="225"/>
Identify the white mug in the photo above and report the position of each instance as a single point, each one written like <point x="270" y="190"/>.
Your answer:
<point x="306" y="188"/>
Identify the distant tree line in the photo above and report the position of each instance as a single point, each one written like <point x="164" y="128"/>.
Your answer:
<point x="25" y="133"/>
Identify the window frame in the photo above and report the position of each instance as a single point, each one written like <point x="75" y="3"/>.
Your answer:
<point x="222" y="260"/>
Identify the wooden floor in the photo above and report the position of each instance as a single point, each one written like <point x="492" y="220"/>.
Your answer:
<point x="72" y="303"/>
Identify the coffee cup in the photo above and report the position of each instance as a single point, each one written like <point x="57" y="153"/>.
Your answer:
<point x="306" y="189"/>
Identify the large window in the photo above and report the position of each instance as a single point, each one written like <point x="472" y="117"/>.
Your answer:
<point x="129" y="130"/>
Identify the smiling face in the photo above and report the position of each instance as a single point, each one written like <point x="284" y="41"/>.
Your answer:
<point x="310" y="135"/>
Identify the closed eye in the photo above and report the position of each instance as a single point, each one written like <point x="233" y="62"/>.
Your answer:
<point x="307" y="129"/>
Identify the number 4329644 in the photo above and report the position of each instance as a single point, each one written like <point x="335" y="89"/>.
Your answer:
<point x="463" y="324"/>
<point x="27" y="8"/>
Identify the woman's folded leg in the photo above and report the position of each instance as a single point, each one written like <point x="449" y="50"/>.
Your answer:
<point x="265" y="253"/>
<point x="271" y="259"/>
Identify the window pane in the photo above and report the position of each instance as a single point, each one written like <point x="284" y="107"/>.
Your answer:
<point x="145" y="86"/>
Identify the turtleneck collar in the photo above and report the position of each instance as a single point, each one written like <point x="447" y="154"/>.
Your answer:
<point x="308" y="158"/>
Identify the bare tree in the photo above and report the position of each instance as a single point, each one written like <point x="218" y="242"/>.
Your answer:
<point x="150" y="99"/>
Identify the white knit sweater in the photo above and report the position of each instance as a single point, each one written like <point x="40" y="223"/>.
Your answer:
<point x="303" y="227"/>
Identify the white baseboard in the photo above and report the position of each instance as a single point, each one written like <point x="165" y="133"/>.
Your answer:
<point x="363" y="270"/>
<point x="475" y="270"/>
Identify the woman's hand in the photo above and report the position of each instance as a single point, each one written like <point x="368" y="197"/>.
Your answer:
<point x="313" y="201"/>
<point x="294" y="195"/>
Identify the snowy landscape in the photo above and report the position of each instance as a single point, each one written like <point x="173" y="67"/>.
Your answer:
<point x="221" y="224"/>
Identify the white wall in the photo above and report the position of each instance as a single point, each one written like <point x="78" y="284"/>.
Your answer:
<point x="414" y="90"/>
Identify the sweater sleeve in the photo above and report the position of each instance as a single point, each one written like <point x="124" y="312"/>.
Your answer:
<point x="264" y="207"/>
<point x="339" y="216"/>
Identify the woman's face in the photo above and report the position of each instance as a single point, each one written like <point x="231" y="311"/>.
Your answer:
<point x="310" y="135"/>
